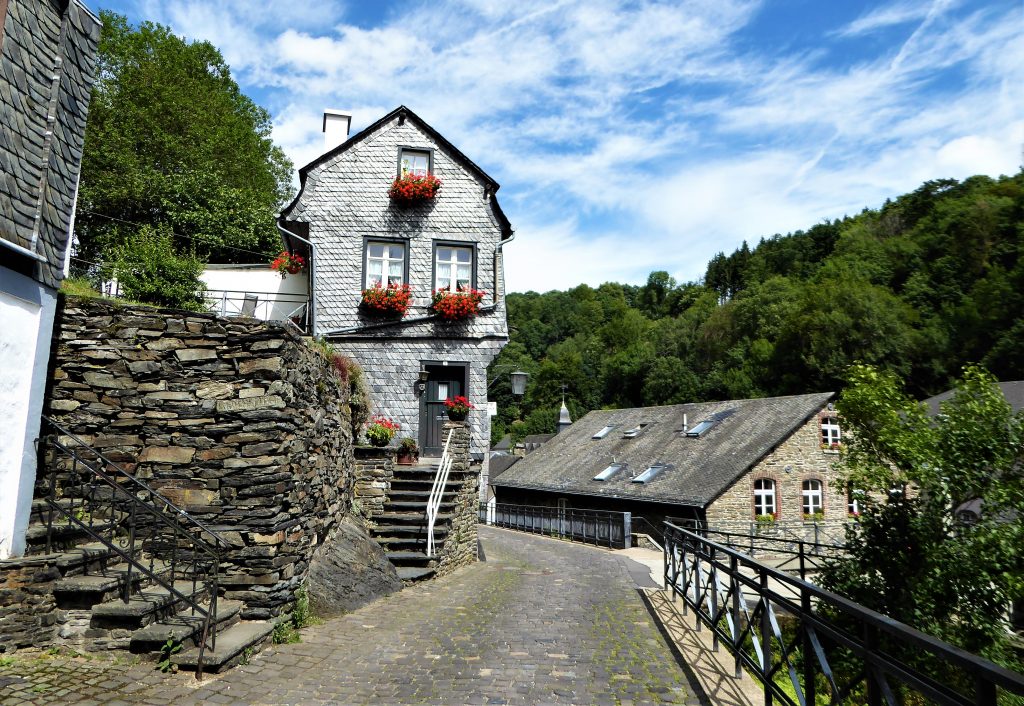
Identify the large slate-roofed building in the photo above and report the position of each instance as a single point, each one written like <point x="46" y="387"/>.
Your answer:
<point x="355" y="236"/>
<point x="715" y="461"/>
<point x="47" y="66"/>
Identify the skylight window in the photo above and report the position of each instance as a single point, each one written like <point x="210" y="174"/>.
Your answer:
<point x="701" y="429"/>
<point x="635" y="431"/>
<point x="610" y="472"/>
<point x="604" y="432"/>
<point x="651" y="473"/>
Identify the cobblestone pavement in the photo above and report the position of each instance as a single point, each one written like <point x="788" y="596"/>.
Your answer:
<point x="540" y="622"/>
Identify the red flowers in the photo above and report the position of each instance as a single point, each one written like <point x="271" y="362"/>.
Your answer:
<point x="392" y="300"/>
<point x="459" y="405"/>
<point x="288" y="263"/>
<point x="380" y="430"/>
<point x="411" y="189"/>
<point x="456" y="306"/>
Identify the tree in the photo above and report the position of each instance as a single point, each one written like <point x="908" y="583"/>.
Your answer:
<point x="172" y="142"/>
<point x="916" y="556"/>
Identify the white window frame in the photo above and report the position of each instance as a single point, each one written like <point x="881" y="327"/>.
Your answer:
<point x="812" y="491"/>
<point x="452" y="282"/>
<point x="854" y="498"/>
<point x="830" y="431"/>
<point x="407" y="159"/>
<point x="764" y="494"/>
<point x="386" y="260"/>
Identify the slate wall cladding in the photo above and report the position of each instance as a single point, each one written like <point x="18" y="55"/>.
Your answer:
<point x="236" y="420"/>
<point x="802" y="455"/>
<point x="391" y="368"/>
<point x="47" y="64"/>
<point x="460" y="546"/>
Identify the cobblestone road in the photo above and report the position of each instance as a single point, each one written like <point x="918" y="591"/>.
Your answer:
<point x="540" y="622"/>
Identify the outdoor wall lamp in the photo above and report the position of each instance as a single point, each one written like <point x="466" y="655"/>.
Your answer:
<point x="519" y="382"/>
<point x="421" y="383"/>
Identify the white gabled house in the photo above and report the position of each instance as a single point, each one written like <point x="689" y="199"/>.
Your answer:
<point x="353" y="236"/>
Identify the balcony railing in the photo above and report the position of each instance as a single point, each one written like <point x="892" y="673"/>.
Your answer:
<point x="267" y="306"/>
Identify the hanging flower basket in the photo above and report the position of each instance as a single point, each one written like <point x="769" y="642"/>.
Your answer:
<point x="458" y="408"/>
<point x="380" y="430"/>
<point x="386" y="302"/>
<point x="456" y="306"/>
<point x="288" y="264"/>
<point x="412" y="189"/>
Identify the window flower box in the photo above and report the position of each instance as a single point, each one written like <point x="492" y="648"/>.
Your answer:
<point x="288" y="264"/>
<point x="411" y="189"/>
<point x="386" y="302"/>
<point x="458" y="305"/>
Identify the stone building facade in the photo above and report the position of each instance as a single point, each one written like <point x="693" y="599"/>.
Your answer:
<point x="47" y="67"/>
<point x="343" y="214"/>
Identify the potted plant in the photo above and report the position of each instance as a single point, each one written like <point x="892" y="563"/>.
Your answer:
<point x="814" y="517"/>
<point x="408" y="452"/>
<point x="765" y="521"/>
<point x="411" y="189"/>
<point x="380" y="430"/>
<point x="458" y="305"/>
<point x="386" y="302"/>
<point x="288" y="264"/>
<point x="458" y="408"/>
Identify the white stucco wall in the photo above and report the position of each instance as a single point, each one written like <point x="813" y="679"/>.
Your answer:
<point x="276" y="298"/>
<point x="26" y="321"/>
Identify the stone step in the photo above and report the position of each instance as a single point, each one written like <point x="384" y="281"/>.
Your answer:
<point x="66" y="536"/>
<point x="413" y="505"/>
<point x="409" y="518"/>
<point x="88" y="589"/>
<point x="399" y="530"/>
<point x="145" y="607"/>
<point x="234" y="644"/>
<point x="182" y="629"/>
<point x="421" y="496"/>
<point x="409" y="558"/>
<point x="74" y="561"/>
<point x="414" y="573"/>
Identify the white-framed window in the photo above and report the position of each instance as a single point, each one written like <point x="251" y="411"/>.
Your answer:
<point x="854" y="500"/>
<point x="415" y="162"/>
<point x="764" y="497"/>
<point x="830" y="433"/>
<point x="385" y="264"/>
<point x="813" y="497"/>
<point x="453" y="267"/>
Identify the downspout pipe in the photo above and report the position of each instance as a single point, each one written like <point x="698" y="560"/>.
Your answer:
<point x="285" y="234"/>
<point x="498" y="252"/>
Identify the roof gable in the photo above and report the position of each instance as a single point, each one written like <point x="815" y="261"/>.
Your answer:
<point x="697" y="469"/>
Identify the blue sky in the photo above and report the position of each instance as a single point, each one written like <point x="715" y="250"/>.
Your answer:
<point x="638" y="136"/>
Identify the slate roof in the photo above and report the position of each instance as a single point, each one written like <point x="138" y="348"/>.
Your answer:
<point x="700" y="468"/>
<point x="1013" y="391"/>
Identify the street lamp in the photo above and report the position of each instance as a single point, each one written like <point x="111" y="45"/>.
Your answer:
<point x="519" y="382"/>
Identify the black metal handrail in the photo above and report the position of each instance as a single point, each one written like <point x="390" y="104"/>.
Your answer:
<point x="855" y="652"/>
<point x="807" y="555"/>
<point x="598" y="527"/>
<point x="643" y="526"/>
<point x="116" y="509"/>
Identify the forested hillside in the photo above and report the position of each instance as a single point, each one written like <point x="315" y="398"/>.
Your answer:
<point x="920" y="286"/>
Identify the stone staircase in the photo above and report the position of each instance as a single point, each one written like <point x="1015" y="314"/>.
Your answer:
<point x="402" y="528"/>
<point x="87" y="578"/>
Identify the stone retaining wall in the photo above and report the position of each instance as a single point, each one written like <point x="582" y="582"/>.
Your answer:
<point x="28" y="611"/>
<point x="237" y="421"/>
<point x="460" y="547"/>
<point x="374" y="469"/>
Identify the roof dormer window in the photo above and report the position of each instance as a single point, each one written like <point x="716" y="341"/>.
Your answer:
<point x="609" y="472"/>
<point x="701" y="429"/>
<point x="604" y="432"/>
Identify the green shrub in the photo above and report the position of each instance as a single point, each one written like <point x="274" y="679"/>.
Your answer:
<point x="150" y="271"/>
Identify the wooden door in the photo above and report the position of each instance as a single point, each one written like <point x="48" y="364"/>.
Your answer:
<point x="444" y="381"/>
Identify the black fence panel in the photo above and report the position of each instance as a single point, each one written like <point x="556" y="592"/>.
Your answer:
<point x="598" y="527"/>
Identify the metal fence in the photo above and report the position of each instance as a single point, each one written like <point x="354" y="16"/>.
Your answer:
<point x="267" y="306"/>
<point x="809" y="646"/>
<point x="598" y="527"/>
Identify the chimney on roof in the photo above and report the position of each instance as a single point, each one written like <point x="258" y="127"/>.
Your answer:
<point x="336" y="126"/>
<point x="686" y="427"/>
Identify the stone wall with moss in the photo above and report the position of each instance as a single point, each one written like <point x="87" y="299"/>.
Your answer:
<point x="239" y="422"/>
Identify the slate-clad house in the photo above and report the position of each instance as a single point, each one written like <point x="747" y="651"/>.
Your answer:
<point x="718" y="462"/>
<point x="354" y="236"/>
<point x="47" y="63"/>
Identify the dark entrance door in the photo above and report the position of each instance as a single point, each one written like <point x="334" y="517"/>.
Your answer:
<point x="444" y="381"/>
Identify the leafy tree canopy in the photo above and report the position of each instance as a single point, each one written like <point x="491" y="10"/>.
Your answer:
<point x="172" y="142"/>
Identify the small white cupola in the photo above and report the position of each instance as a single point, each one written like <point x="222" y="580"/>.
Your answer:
<point x="337" y="124"/>
<point x="564" y="420"/>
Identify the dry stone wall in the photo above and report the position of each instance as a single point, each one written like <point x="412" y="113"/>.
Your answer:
<point x="237" y="421"/>
<point x="460" y="547"/>
<point x="374" y="470"/>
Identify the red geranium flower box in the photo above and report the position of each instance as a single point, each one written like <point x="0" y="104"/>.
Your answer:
<point x="456" y="306"/>
<point x="410" y="189"/>
<point x="390" y="301"/>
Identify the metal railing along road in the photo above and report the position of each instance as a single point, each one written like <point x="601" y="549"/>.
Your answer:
<point x="155" y="538"/>
<point x="809" y="646"/>
<point x="599" y="527"/>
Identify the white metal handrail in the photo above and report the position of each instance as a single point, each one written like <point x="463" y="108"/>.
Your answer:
<point x="437" y="491"/>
